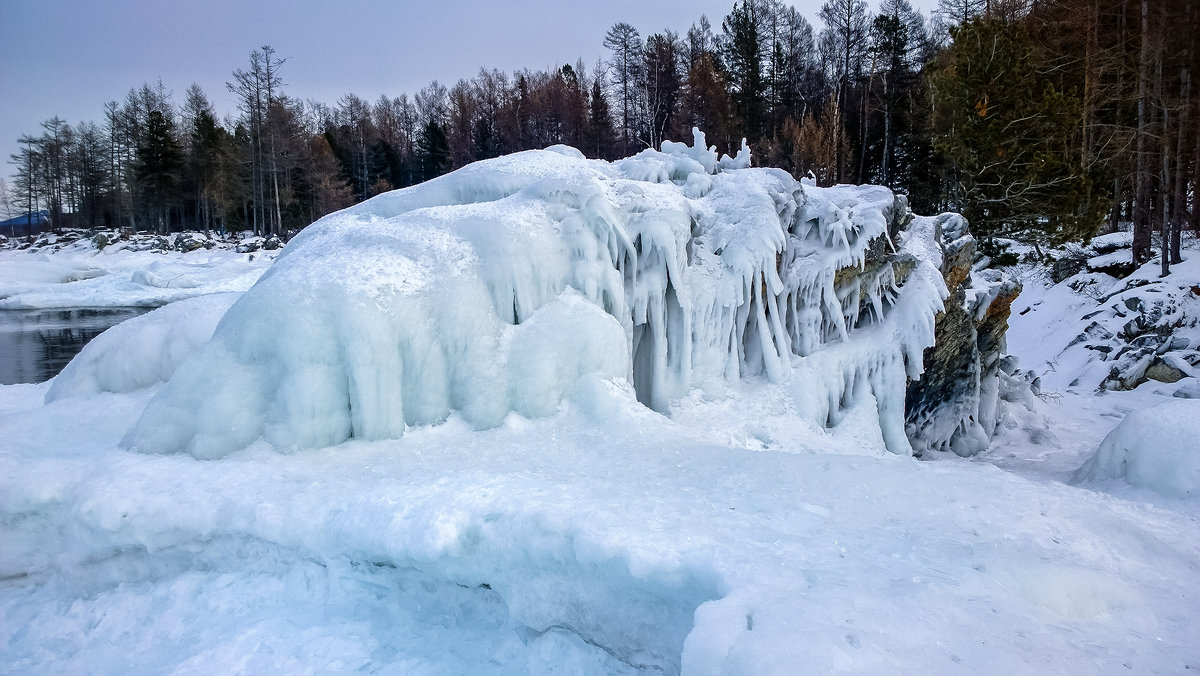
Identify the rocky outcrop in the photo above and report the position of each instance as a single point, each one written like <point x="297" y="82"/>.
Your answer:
<point x="1157" y="335"/>
<point x="954" y="405"/>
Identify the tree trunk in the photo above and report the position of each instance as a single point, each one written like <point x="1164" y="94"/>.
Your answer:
<point x="1141" y="216"/>
<point x="1185" y="109"/>
<point x="1164" y="176"/>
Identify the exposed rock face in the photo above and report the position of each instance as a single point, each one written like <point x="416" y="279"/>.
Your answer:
<point x="954" y="405"/>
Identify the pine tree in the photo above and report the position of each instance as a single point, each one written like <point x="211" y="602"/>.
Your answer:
<point x="159" y="161"/>
<point x="844" y="40"/>
<point x="624" y="41"/>
<point x="661" y="83"/>
<point x="600" y="137"/>
<point x="743" y="59"/>
<point x="433" y="151"/>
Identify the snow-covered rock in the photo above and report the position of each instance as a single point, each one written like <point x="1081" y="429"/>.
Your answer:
<point x="666" y="268"/>
<point x="1111" y="242"/>
<point x="1188" y="390"/>
<point x="1116" y="334"/>
<point x="1154" y="448"/>
<point x="191" y="241"/>
<point x="120" y="274"/>
<point x="249" y="245"/>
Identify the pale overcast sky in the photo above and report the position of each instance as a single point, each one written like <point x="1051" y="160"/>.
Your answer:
<point x="68" y="57"/>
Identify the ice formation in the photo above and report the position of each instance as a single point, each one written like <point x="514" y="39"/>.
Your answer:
<point x="493" y="289"/>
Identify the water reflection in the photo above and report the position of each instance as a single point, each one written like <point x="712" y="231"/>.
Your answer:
<point x="36" y="344"/>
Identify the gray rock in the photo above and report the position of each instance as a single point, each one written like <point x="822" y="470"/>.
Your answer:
<point x="1130" y="370"/>
<point x="954" y="405"/>
<point x="1174" y="343"/>
<point x="189" y="241"/>
<point x="1164" y="372"/>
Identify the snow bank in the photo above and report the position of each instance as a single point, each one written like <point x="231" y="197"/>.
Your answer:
<point x="493" y="289"/>
<point x="142" y="351"/>
<point x="79" y="275"/>
<point x="1156" y="448"/>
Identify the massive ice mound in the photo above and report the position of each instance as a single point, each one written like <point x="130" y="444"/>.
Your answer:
<point x="496" y="288"/>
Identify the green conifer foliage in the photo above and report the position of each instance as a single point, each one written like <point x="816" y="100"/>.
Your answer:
<point x="1011" y="137"/>
<point x="159" y="162"/>
<point x="433" y="151"/>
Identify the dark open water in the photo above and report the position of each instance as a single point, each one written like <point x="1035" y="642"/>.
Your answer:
<point x="36" y="344"/>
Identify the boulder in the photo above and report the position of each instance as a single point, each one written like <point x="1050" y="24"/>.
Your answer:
<point x="249" y="245"/>
<point x="190" y="241"/>
<point x="1164" y="372"/>
<point x="272" y="243"/>
<point x="1068" y="262"/>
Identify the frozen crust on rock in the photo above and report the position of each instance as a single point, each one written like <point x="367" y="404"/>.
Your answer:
<point x="494" y="289"/>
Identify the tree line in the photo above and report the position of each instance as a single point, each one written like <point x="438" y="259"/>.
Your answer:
<point x="1041" y="120"/>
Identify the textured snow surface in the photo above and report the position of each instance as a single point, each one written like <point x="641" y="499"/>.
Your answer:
<point x="142" y="351"/>
<point x="605" y="539"/>
<point x="1062" y="331"/>
<point x="493" y="289"/>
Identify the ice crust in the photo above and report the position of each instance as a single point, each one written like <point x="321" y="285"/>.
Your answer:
<point x="495" y="288"/>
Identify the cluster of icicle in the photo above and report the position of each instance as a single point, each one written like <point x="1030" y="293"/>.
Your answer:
<point x="496" y="288"/>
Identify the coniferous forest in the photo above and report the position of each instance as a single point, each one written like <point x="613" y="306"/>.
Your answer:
<point x="1040" y="120"/>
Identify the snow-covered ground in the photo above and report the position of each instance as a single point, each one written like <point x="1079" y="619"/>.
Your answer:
<point x="734" y="536"/>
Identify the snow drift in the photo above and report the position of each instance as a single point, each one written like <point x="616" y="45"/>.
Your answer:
<point x="494" y="289"/>
<point x="142" y="351"/>
<point x="1154" y="448"/>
